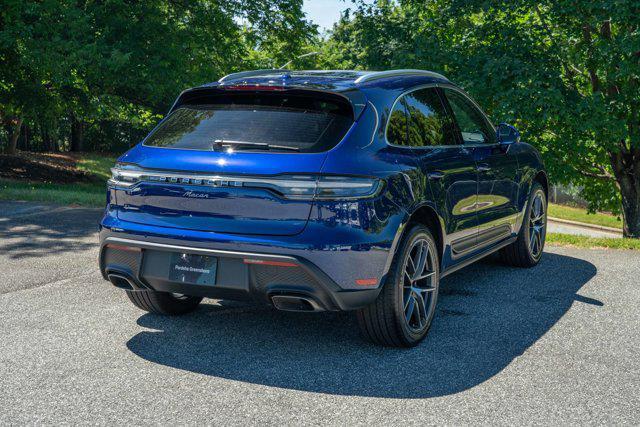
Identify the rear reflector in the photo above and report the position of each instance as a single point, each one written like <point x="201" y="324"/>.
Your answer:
<point x="273" y="263"/>
<point x="367" y="282"/>
<point x="123" y="248"/>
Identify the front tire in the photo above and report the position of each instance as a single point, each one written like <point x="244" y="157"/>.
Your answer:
<point x="402" y="314"/>
<point x="163" y="302"/>
<point x="527" y="250"/>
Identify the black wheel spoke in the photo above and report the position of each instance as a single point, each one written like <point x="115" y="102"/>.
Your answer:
<point x="409" y="308"/>
<point x="533" y="237"/>
<point x="421" y="309"/>
<point x="422" y="262"/>
<point x="411" y="264"/>
<point x="408" y="277"/>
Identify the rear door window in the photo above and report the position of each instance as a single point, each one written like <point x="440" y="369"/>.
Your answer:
<point x="274" y="122"/>
<point x="473" y="124"/>
<point x="419" y="119"/>
<point x="429" y="123"/>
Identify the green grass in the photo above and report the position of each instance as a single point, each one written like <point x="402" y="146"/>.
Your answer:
<point x="81" y="194"/>
<point x="581" y="215"/>
<point x="96" y="164"/>
<point x="90" y="195"/>
<point x="592" y="242"/>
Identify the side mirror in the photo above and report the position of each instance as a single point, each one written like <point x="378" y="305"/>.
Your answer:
<point x="507" y="134"/>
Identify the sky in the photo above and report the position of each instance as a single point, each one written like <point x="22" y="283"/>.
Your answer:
<point x="325" y="13"/>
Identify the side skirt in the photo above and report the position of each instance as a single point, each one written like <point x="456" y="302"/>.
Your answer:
<point x="479" y="256"/>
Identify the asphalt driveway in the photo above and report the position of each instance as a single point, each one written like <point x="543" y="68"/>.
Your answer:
<point x="559" y="343"/>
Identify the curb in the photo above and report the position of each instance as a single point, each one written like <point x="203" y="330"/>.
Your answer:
<point x="585" y="225"/>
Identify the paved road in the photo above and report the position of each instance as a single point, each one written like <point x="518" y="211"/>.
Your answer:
<point x="556" y="344"/>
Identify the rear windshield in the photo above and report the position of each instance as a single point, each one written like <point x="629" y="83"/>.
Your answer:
<point x="255" y="122"/>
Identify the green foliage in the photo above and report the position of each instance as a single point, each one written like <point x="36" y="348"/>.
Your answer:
<point x="98" y="165"/>
<point x="565" y="72"/>
<point x="559" y="239"/>
<point x="82" y="194"/>
<point x="112" y="68"/>
<point x="90" y="195"/>
<point x="581" y="215"/>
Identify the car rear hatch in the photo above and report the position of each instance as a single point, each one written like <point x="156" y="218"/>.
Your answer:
<point x="233" y="161"/>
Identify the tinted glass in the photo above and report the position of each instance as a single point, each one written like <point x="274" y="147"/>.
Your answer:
<point x="283" y="122"/>
<point x="473" y="125"/>
<point x="429" y="123"/>
<point x="397" y="126"/>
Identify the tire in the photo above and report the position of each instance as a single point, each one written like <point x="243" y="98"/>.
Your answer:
<point x="384" y="321"/>
<point x="526" y="251"/>
<point x="163" y="302"/>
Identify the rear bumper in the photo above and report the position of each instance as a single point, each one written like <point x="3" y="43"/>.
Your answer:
<point x="138" y="262"/>
<point x="340" y="258"/>
<point x="346" y="241"/>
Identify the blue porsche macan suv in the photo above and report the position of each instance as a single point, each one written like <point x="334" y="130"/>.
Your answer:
<point x="321" y="190"/>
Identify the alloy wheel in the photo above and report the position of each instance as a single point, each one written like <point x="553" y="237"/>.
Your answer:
<point x="419" y="286"/>
<point x="537" y="224"/>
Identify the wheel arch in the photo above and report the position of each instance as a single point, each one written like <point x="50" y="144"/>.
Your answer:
<point x="542" y="179"/>
<point x="533" y="175"/>
<point x="426" y="215"/>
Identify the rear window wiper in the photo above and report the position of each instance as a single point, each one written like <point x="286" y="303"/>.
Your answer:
<point x="262" y="145"/>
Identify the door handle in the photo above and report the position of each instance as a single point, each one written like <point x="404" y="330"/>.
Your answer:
<point x="435" y="175"/>
<point x="483" y="167"/>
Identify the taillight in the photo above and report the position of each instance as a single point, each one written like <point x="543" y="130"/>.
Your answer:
<point x="123" y="175"/>
<point x="322" y="187"/>
<point x="340" y="187"/>
<point x="299" y="187"/>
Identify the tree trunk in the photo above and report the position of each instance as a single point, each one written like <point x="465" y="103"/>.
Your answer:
<point x="47" y="142"/>
<point x="77" y="135"/>
<point x="26" y="132"/>
<point x="631" y="211"/>
<point x="626" y="167"/>
<point x="13" y="139"/>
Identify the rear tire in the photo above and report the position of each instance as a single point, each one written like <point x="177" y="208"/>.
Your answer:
<point x="402" y="314"/>
<point x="527" y="250"/>
<point x="163" y="302"/>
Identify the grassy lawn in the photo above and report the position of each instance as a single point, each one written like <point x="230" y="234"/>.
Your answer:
<point x="90" y="194"/>
<point x="96" y="164"/>
<point x="581" y="215"/>
<point x="592" y="242"/>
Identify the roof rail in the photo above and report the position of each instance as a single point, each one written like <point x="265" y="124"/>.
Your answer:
<point x="375" y="75"/>
<point x="251" y="73"/>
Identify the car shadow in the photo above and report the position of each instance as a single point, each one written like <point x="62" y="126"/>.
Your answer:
<point x="29" y="230"/>
<point x="488" y="315"/>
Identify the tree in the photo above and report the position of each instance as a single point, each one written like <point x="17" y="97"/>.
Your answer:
<point x="567" y="73"/>
<point x="90" y="66"/>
